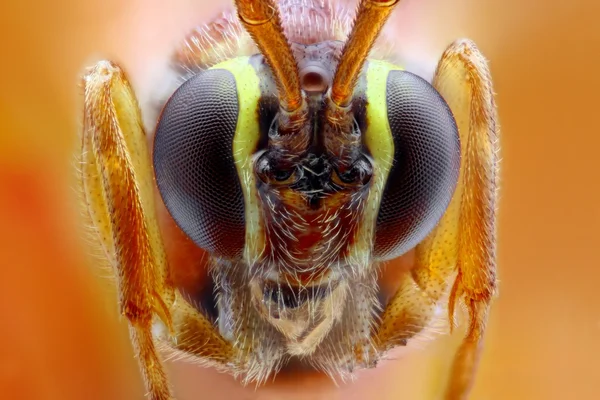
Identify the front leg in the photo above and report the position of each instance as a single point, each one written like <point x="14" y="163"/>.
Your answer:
<point x="463" y="243"/>
<point x="116" y="178"/>
<point x="118" y="189"/>
<point x="464" y="80"/>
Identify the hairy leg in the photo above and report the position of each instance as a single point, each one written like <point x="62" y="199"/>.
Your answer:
<point x="463" y="243"/>
<point x="463" y="78"/>
<point x="117" y="181"/>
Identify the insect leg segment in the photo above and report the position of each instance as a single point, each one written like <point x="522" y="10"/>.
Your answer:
<point x="196" y="336"/>
<point x="118" y="187"/>
<point x="463" y="79"/>
<point x="462" y="244"/>
<point x="117" y="181"/>
<point x="413" y="306"/>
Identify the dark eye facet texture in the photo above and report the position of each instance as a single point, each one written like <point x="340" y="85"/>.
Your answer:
<point x="194" y="163"/>
<point x="426" y="165"/>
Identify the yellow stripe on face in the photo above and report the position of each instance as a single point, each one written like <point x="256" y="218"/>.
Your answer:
<point x="380" y="143"/>
<point x="245" y="142"/>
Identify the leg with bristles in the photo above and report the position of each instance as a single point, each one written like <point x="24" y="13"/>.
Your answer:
<point x="117" y="181"/>
<point x="463" y="79"/>
<point x="118" y="192"/>
<point x="463" y="243"/>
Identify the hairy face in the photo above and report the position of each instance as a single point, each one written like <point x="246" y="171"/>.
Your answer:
<point x="297" y="209"/>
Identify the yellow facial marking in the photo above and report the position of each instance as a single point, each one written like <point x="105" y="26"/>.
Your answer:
<point x="245" y="142"/>
<point x="380" y="143"/>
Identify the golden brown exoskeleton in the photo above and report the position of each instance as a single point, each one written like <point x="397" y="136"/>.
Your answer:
<point x="299" y="159"/>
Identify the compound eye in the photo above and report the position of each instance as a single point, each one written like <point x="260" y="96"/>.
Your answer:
<point x="426" y="164"/>
<point x="194" y="162"/>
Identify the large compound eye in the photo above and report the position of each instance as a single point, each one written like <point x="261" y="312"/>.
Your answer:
<point x="426" y="164"/>
<point x="194" y="162"/>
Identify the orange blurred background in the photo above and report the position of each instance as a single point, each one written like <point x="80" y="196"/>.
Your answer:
<point x="61" y="337"/>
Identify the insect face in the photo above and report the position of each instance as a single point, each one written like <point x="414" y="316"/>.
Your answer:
<point x="299" y="161"/>
<point x="301" y="213"/>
